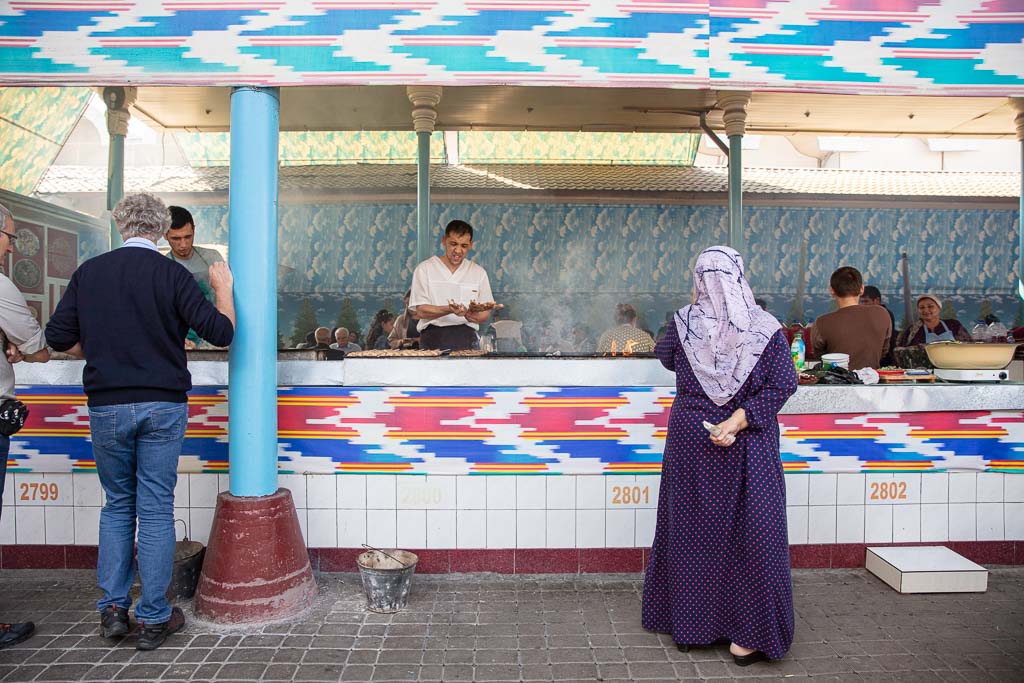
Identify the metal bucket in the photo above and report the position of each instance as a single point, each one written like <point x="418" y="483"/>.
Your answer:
<point x="387" y="578"/>
<point x="188" y="562"/>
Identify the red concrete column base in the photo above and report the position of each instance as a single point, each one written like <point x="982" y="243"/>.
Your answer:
<point x="256" y="567"/>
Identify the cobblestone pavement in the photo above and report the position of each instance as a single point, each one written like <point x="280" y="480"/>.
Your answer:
<point x="485" y="627"/>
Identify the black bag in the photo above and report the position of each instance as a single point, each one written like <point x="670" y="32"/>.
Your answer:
<point x="13" y="414"/>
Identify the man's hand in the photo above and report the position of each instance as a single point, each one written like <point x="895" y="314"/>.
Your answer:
<point x="479" y="317"/>
<point x="456" y="308"/>
<point x="13" y="353"/>
<point x="221" y="277"/>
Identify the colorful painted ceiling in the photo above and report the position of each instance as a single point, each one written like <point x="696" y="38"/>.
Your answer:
<point x="34" y="124"/>
<point x="309" y="148"/>
<point x="881" y="46"/>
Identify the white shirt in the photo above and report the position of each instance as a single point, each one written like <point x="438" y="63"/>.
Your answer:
<point x="434" y="284"/>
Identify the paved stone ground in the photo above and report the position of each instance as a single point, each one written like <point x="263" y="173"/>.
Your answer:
<point x="485" y="627"/>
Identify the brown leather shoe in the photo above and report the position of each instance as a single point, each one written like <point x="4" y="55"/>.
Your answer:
<point x="152" y="636"/>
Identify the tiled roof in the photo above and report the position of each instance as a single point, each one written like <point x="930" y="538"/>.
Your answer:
<point x="553" y="177"/>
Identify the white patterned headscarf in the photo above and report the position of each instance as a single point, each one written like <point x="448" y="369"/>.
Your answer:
<point x="723" y="331"/>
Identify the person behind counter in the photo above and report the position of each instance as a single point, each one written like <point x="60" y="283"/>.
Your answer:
<point x="872" y="296"/>
<point x="383" y="324"/>
<point x="625" y="337"/>
<point x="861" y="331"/>
<point x="197" y="260"/>
<point x="126" y="312"/>
<point x="342" y="341"/>
<point x="404" y="328"/>
<point x="450" y="277"/>
<point x="719" y="564"/>
<point x="929" y="327"/>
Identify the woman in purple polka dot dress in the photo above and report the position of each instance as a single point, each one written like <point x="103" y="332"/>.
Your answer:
<point x="719" y="565"/>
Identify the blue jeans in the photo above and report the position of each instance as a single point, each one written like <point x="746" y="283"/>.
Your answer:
<point x="136" y="446"/>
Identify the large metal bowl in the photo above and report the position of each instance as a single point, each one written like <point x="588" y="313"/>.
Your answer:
<point x="969" y="356"/>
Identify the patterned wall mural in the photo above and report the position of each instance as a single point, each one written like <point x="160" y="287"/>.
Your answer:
<point x="893" y="46"/>
<point x="520" y="430"/>
<point x="589" y="256"/>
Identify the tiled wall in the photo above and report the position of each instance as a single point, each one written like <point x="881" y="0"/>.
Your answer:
<point x="586" y="511"/>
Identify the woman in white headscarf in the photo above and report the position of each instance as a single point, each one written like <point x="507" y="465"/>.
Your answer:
<point x="719" y="567"/>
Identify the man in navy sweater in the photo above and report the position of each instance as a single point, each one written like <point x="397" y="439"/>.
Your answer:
<point x="127" y="313"/>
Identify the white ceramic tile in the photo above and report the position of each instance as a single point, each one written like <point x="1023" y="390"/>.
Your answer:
<point x="849" y="489"/>
<point x="300" y="513"/>
<point x="646" y="520"/>
<point x="797" y="487"/>
<point x="561" y="494"/>
<point x="29" y="525"/>
<point x="907" y="488"/>
<point x="380" y="492"/>
<point x="620" y="528"/>
<point x="531" y="526"/>
<point x="60" y="525"/>
<point x="65" y="489"/>
<point x="906" y="523"/>
<point x="8" y="499"/>
<point x="441" y="527"/>
<point x="531" y="494"/>
<point x="296" y="484"/>
<point x="878" y="524"/>
<point x="963" y="521"/>
<point x="88" y="491"/>
<point x="27" y="490"/>
<point x="200" y="521"/>
<point x="561" y="528"/>
<point x="202" y="491"/>
<point x="614" y="485"/>
<point x="351" y="491"/>
<point x="1013" y="517"/>
<point x="180" y="490"/>
<point x="443" y="487"/>
<point x="990" y="487"/>
<point x="963" y="487"/>
<point x="471" y="529"/>
<point x="821" y="523"/>
<point x="935" y="487"/>
<point x="650" y="488"/>
<point x="87" y="525"/>
<point x="876" y="489"/>
<point x="796" y="523"/>
<point x="412" y="529"/>
<point x="1013" y="488"/>
<point x="501" y="527"/>
<point x="849" y="523"/>
<point x="501" y="493"/>
<point x="821" y="489"/>
<point x="934" y="522"/>
<point x="990" y="521"/>
<point x="352" y="527"/>
<point x="590" y="528"/>
<point x="590" y="492"/>
<point x="381" y="527"/>
<point x="322" y="493"/>
<point x="322" y="528"/>
<point x="223" y="482"/>
<point x="7" y="536"/>
<point x="471" y="493"/>
<point x="426" y="493"/>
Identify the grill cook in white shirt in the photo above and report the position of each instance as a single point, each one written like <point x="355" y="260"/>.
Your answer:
<point x="450" y="277"/>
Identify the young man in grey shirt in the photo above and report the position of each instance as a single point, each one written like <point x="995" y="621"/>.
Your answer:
<point x="23" y="340"/>
<point x="197" y="260"/>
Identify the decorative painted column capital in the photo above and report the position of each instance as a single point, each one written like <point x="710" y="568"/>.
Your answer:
<point x="1018" y="120"/>
<point x="118" y="100"/>
<point x="734" y="107"/>
<point x="424" y="100"/>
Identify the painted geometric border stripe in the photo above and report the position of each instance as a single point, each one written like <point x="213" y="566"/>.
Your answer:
<point x="884" y="46"/>
<point x="520" y="430"/>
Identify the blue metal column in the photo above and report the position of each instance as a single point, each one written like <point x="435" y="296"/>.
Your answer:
<point x="252" y="225"/>
<point x="423" y="246"/>
<point x="736" y="193"/>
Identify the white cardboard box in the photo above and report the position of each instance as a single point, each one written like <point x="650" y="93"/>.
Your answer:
<point x="926" y="569"/>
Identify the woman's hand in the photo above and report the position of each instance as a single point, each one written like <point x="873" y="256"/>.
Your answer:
<point x="728" y="429"/>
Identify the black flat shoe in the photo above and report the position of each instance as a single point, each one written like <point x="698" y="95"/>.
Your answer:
<point x="682" y="648"/>
<point x="752" y="658"/>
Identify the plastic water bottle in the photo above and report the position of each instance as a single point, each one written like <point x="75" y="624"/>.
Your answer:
<point x="798" y="350"/>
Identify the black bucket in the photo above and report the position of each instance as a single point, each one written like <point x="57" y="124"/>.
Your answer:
<point x="387" y="578"/>
<point x="188" y="562"/>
